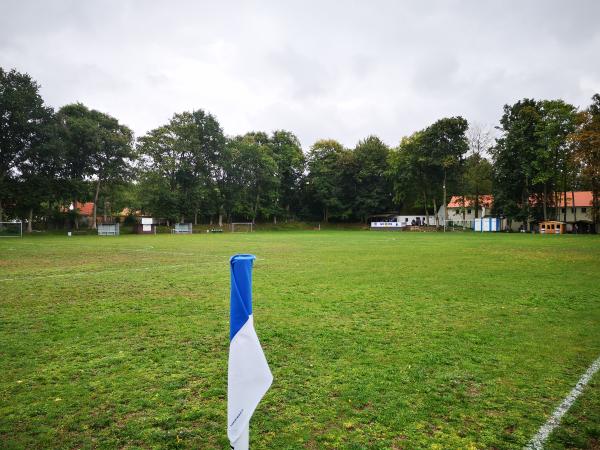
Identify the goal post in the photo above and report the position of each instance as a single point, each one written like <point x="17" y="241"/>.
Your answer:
<point x="11" y="229"/>
<point x="247" y="227"/>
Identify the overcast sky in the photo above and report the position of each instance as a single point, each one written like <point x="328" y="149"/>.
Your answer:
<point x="338" y="69"/>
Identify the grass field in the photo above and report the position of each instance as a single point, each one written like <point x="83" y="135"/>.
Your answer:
<point x="375" y="340"/>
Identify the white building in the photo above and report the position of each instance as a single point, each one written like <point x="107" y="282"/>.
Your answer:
<point x="461" y="211"/>
<point x="576" y="215"/>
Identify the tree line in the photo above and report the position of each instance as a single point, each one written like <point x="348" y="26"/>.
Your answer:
<point x="189" y="170"/>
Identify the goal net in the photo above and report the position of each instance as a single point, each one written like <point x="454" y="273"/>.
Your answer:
<point x="11" y="229"/>
<point x="243" y="227"/>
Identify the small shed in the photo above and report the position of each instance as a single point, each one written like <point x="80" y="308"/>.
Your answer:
<point x="146" y="226"/>
<point x="484" y="224"/>
<point x="552" y="227"/>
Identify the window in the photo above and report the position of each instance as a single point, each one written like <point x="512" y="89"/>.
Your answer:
<point x="562" y="210"/>
<point x="468" y="211"/>
<point x="583" y="210"/>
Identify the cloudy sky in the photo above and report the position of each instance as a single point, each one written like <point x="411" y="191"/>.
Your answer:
<point x="322" y="69"/>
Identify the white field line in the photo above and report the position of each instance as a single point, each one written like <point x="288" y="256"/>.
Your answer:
<point x="537" y="443"/>
<point x="117" y="249"/>
<point x="96" y="272"/>
<point x="120" y="250"/>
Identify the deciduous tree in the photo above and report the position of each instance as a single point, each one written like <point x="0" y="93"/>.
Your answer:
<point x="22" y="118"/>
<point x="585" y="142"/>
<point x="324" y="162"/>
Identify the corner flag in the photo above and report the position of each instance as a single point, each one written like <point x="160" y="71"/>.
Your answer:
<point x="249" y="376"/>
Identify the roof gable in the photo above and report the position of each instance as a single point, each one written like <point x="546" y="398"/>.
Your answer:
<point x="457" y="201"/>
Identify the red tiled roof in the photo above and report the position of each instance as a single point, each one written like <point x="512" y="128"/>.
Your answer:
<point x="582" y="198"/>
<point x="457" y="201"/>
<point x="85" y="209"/>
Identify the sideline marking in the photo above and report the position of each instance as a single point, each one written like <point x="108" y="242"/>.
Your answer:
<point x="96" y="272"/>
<point x="537" y="442"/>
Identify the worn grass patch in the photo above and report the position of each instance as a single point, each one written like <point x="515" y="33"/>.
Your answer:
<point x="375" y="340"/>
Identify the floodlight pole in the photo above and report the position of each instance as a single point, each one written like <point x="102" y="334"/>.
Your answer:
<point x="445" y="207"/>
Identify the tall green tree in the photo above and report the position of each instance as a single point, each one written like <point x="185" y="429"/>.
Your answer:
<point x="429" y="162"/>
<point x="324" y="161"/>
<point x="98" y="149"/>
<point x="252" y="176"/>
<point x="405" y="174"/>
<point x="513" y="157"/>
<point x="290" y="161"/>
<point x="551" y="164"/>
<point x="161" y="162"/>
<point x="191" y="174"/>
<point x="187" y="155"/>
<point x="23" y="116"/>
<point x="78" y="139"/>
<point x="372" y="192"/>
<point x="445" y="143"/>
<point x="532" y="159"/>
<point x="585" y="142"/>
<point x="40" y="174"/>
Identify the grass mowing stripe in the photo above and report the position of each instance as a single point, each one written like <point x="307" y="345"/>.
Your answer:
<point x="537" y="443"/>
<point x="99" y="272"/>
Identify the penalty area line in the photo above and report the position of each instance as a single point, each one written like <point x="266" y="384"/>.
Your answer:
<point x="537" y="442"/>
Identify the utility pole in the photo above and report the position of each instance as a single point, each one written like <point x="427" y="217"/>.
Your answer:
<point x="445" y="204"/>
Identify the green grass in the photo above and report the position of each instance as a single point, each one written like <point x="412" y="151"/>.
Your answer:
<point x="376" y="340"/>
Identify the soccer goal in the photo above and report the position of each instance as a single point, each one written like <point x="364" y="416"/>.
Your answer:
<point x="246" y="227"/>
<point x="11" y="229"/>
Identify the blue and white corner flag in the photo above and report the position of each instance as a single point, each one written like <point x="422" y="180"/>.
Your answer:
<point x="249" y="376"/>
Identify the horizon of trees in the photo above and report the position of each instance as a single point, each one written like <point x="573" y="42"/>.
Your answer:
<point x="188" y="169"/>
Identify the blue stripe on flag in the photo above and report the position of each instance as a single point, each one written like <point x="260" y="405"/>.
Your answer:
<point x="241" y="291"/>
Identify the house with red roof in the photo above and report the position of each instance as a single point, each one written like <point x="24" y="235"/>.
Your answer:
<point x="575" y="209"/>
<point x="467" y="209"/>
<point x="85" y="211"/>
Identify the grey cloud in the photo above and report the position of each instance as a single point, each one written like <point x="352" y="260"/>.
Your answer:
<point x="319" y="68"/>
